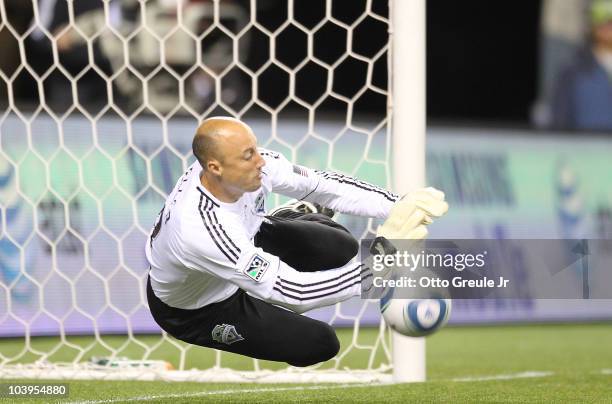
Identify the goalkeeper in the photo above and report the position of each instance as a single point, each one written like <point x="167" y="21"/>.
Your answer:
<point x="225" y="275"/>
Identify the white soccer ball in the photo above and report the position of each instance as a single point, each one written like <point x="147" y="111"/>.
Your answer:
<point x="415" y="317"/>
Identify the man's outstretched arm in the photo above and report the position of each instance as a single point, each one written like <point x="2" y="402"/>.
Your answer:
<point x="343" y="193"/>
<point x="226" y="253"/>
<point x="336" y="191"/>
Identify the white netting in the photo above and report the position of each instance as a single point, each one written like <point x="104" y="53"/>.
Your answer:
<point x="97" y="114"/>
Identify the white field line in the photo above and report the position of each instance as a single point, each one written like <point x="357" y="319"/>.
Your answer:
<point x="522" y="375"/>
<point x="227" y="392"/>
<point x="606" y="371"/>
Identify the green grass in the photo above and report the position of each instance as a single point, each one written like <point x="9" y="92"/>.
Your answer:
<point x="169" y="349"/>
<point x="575" y="353"/>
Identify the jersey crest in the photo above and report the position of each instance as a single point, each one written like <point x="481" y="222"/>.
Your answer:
<point x="226" y="334"/>
<point x="260" y="203"/>
<point x="256" y="268"/>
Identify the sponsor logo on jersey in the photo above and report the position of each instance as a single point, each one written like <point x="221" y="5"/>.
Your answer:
<point x="226" y="334"/>
<point x="256" y="268"/>
<point x="260" y="203"/>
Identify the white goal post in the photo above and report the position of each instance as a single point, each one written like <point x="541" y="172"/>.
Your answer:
<point x="408" y="95"/>
<point x="96" y="120"/>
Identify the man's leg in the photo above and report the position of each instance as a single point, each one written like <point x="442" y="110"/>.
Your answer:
<point x="248" y="326"/>
<point x="310" y="242"/>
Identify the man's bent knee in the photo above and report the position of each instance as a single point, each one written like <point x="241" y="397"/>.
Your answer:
<point x="320" y="345"/>
<point x="348" y="247"/>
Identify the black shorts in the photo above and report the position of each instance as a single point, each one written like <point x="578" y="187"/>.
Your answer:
<point x="249" y="326"/>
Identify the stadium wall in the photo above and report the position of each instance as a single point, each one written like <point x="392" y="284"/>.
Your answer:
<point x="500" y="184"/>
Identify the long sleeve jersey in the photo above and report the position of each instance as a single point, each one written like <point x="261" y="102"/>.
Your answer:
<point x="201" y="250"/>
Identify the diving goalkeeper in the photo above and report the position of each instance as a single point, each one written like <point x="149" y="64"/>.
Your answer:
<point x="226" y="275"/>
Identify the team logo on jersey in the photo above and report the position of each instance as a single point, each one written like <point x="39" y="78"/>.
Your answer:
<point x="226" y="334"/>
<point x="256" y="268"/>
<point x="260" y="203"/>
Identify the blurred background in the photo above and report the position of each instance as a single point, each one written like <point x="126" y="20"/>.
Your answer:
<point x="99" y="102"/>
<point x="499" y="65"/>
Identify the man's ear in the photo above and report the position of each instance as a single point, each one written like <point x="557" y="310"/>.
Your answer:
<point x="214" y="167"/>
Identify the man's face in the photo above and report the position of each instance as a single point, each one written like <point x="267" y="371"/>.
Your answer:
<point x="241" y="163"/>
<point x="603" y="33"/>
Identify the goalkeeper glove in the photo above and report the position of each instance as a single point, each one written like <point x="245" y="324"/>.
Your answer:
<point x="429" y="200"/>
<point x="410" y="214"/>
<point x="405" y="221"/>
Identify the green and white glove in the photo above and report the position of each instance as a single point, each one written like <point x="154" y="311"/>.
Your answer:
<point x="408" y="220"/>
<point x="410" y="215"/>
<point x="429" y="200"/>
<point x="405" y="221"/>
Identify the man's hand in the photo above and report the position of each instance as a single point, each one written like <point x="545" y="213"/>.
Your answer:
<point x="429" y="200"/>
<point x="410" y="214"/>
<point x="405" y="221"/>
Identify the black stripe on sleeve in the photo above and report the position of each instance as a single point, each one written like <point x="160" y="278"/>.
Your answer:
<point x="303" y="292"/>
<point x="344" y="179"/>
<point x="355" y="277"/>
<point x="321" y="282"/>
<point x="360" y="184"/>
<point x="301" y="299"/>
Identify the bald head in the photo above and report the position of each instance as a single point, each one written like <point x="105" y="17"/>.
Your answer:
<point x="227" y="151"/>
<point x="215" y="133"/>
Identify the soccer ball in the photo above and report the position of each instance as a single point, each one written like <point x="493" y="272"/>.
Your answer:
<point x="415" y="317"/>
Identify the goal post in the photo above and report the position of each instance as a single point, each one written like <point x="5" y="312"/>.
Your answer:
<point x="408" y="100"/>
<point x="96" y="120"/>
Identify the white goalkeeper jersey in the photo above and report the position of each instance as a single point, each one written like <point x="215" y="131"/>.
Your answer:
<point x="201" y="249"/>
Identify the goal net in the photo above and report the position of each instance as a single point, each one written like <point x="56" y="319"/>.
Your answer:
<point x="98" y="106"/>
